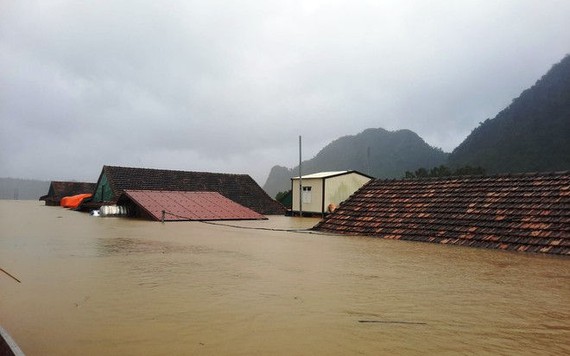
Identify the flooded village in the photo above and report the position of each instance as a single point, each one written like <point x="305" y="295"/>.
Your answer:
<point x="154" y="199"/>
<point x="230" y="273"/>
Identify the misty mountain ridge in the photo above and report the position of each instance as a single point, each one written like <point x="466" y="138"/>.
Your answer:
<point x="376" y="152"/>
<point x="530" y="135"/>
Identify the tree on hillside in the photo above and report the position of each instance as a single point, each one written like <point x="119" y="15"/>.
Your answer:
<point x="444" y="171"/>
<point x="280" y="195"/>
<point x="532" y="134"/>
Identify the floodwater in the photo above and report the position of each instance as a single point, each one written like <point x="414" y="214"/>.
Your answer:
<point x="114" y="286"/>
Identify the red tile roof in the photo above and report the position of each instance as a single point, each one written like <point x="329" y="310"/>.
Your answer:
<point x="525" y="212"/>
<point x="180" y="206"/>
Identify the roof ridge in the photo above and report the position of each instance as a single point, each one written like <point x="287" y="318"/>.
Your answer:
<point x="71" y="181"/>
<point x="174" y="170"/>
<point x="498" y="175"/>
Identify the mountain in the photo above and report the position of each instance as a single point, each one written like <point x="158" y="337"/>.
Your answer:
<point x="22" y="189"/>
<point x="376" y="152"/>
<point x="531" y="135"/>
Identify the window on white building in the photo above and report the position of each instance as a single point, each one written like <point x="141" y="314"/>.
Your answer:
<point x="306" y="195"/>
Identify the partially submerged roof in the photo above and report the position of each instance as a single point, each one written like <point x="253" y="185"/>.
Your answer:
<point x="525" y="212"/>
<point x="59" y="189"/>
<point x="8" y="346"/>
<point x="183" y="206"/>
<point x="240" y="188"/>
<point x="330" y="174"/>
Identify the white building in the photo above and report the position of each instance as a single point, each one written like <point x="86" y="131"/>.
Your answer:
<point x="323" y="189"/>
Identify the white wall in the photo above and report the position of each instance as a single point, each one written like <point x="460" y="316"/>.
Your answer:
<point x="338" y="189"/>
<point x="316" y="195"/>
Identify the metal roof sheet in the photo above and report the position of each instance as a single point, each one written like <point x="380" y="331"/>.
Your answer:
<point x="321" y="175"/>
<point x="184" y="206"/>
<point x="329" y="174"/>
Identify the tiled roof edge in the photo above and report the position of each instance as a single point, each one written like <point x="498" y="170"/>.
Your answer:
<point x="175" y="170"/>
<point x="467" y="177"/>
<point x="70" y="181"/>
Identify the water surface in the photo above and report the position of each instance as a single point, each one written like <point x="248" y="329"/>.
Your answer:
<point x="95" y="286"/>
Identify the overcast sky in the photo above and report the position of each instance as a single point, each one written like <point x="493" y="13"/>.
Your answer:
<point x="228" y="86"/>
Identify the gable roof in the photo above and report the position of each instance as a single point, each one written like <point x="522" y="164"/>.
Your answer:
<point x="185" y="206"/>
<point x="240" y="188"/>
<point x="321" y="175"/>
<point x="525" y="212"/>
<point x="60" y="189"/>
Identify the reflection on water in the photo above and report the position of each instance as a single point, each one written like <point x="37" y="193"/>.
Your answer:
<point x="117" y="286"/>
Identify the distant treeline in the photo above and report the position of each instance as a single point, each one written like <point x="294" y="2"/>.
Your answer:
<point x="444" y="171"/>
<point x="22" y="189"/>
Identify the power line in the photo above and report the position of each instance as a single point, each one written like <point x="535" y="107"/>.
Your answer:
<point x="164" y="212"/>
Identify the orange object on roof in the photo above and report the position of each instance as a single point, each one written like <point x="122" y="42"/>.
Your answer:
<point x="74" y="200"/>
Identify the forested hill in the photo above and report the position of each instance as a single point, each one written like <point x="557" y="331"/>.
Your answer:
<point x="377" y="152"/>
<point x="532" y="134"/>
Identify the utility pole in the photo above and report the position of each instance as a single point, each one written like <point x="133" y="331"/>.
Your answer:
<point x="300" y="181"/>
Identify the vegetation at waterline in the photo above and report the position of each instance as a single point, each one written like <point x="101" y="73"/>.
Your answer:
<point x="281" y="195"/>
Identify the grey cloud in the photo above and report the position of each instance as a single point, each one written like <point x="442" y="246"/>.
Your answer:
<point x="227" y="86"/>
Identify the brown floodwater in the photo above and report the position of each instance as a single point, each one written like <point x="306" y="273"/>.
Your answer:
<point x="115" y="286"/>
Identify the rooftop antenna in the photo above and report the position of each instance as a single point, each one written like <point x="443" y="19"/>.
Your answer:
<point x="300" y="181"/>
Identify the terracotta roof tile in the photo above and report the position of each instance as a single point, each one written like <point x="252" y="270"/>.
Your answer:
<point x="526" y="212"/>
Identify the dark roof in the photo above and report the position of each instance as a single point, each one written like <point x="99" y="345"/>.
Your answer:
<point x="240" y="188"/>
<point x="525" y="212"/>
<point x="58" y="190"/>
<point x="184" y="206"/>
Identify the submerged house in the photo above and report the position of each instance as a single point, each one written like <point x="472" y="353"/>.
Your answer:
<point x="58" y="190"/>
<point x="183" y="206"/>
<point x="8" y="346"/>
<point x="240" y="188"/>
<point x="523" y="212"/>
<point x="323" y="191"/>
